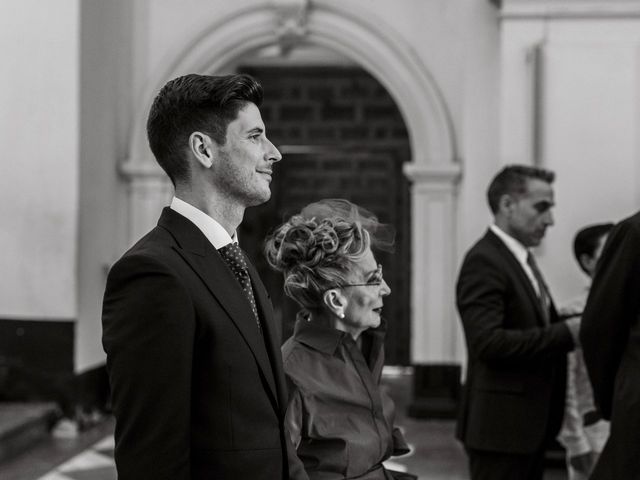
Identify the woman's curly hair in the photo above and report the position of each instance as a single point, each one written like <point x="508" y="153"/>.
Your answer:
<point x="318" y="248"/>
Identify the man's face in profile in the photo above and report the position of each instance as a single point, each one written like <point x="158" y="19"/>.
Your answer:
<point x="246" y="159"/>
<point x="529" y="213"/>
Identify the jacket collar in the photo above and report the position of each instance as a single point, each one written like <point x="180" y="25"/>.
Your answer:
<point x="510" y="257"/>
<point x="194" y="247"/>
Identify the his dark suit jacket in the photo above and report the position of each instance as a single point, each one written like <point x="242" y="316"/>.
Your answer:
<point x="197" y="393"/>
<point x="513" y="397"/>
<point x="610" y="337"/>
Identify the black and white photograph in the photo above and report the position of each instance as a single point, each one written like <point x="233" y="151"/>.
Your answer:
<point x="320" y="240"/>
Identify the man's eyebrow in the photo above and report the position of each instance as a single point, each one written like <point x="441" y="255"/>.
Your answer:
<point x="544" y="204"/>
<point x="256" y="130"/>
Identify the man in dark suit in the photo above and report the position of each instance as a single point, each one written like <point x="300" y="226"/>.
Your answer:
<point x="192" y="347"/>
<point x="610" y="337"/>
<point x="513" y="397"/>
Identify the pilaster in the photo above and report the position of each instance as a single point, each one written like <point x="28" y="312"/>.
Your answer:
<point x="434" y="326"/>
<point x="149" y="190"/>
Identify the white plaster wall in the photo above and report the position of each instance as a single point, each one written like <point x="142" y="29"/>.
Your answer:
<point x="590" y="139"/>
<point x="589" y="117"/>
<point x="172" y="24"/>
<point x="466" y="60"/>
<point x="106" y="114"/>
<point x="436" y="31"/>
<point x="478" y="134"/>
<point x="39" y="167"/>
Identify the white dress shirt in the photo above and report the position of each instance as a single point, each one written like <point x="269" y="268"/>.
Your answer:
<point x="211" y="229"/>
<point x="519" y="251"/>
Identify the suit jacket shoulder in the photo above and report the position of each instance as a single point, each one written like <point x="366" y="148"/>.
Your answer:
<point x="500" y="311"/>
<point x="192" y="376"/>
<point x="613" y="306"/>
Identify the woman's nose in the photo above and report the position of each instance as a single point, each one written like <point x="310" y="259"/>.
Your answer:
<point x="385" y="289"/>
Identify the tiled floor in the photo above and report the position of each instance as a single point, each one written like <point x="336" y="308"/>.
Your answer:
<point x="436" y="455"/>
<point x="95" y="463"/>
<point x="52" y="453"/>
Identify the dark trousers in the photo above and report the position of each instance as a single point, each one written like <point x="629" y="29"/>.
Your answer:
<point x="485" y="465"/>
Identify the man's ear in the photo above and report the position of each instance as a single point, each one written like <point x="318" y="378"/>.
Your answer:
<point x="201" y="146"/>
<point x="588" y="263"/>
<point x="505" y="203"/>
<point x="335" y="301"/>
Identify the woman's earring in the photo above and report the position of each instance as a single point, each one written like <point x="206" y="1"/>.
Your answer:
<point x="341" y="314"/>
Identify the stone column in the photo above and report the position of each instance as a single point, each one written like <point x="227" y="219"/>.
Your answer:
<point x="434" y="327"/>
<point x="149" y="190"/>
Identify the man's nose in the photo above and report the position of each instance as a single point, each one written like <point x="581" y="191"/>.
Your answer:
<point x="273" y="153"/>
<point x="549" y="218"/>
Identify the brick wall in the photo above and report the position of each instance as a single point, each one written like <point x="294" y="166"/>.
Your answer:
<point x="354" y="143"/>
<point x="320" y="106"/>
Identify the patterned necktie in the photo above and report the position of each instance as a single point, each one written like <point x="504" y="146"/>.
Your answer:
<point x="543" y="295"/>
<point x="234" y="257"/>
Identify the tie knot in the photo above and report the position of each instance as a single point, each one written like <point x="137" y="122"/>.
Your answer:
<point x="233" y="255"/>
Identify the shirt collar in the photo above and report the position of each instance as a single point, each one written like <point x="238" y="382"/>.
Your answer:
<point x="327" y="339"/>
<point x="215" y="233"/>
<point x="518" y="250"/>
<point x="318" y="337"/>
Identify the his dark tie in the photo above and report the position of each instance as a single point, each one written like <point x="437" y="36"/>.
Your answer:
<point x="234" y="257"/>
<point x="543" y="295"/>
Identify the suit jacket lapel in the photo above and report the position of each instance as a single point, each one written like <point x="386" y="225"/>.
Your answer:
<point x="272" y="334"/>
<point x="522" y="275"/>
<point x="206" y="262"/>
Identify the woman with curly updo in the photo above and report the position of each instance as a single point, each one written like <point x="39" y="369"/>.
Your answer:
<point x="339" y="420"/>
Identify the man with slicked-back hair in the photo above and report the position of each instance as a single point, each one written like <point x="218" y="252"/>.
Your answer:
<point x="192" y="347"/>
<point x="513" y="397"/>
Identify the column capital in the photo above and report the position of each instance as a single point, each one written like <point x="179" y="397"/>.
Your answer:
<point x="443" y="173"/>
<point x="134" y="170"/>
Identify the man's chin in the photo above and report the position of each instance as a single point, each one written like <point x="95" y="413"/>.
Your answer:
<point x="535" y="241"/>
<point x="259" y="198"/>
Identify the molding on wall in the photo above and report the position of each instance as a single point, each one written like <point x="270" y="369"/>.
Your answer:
<point x="355" y="33"/>
<point x="536" y="9"/>
<point x="136" y="169"/>
<point x="449" y="174"/>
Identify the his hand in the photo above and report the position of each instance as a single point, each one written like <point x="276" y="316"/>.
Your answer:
<point x="573" y="324"/>
<point x="583" y="463"/>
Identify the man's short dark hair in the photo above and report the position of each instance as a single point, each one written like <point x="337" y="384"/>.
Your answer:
<point x="586" y="240"/>
<point x="191" y="103"/>
<point x="512" y="180"/>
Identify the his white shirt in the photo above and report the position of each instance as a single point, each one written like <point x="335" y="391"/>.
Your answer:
<point x="211" y="229"/>
<point x="519" y="251"/>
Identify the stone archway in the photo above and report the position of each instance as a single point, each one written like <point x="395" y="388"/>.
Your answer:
<point x="433" y="169"/>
